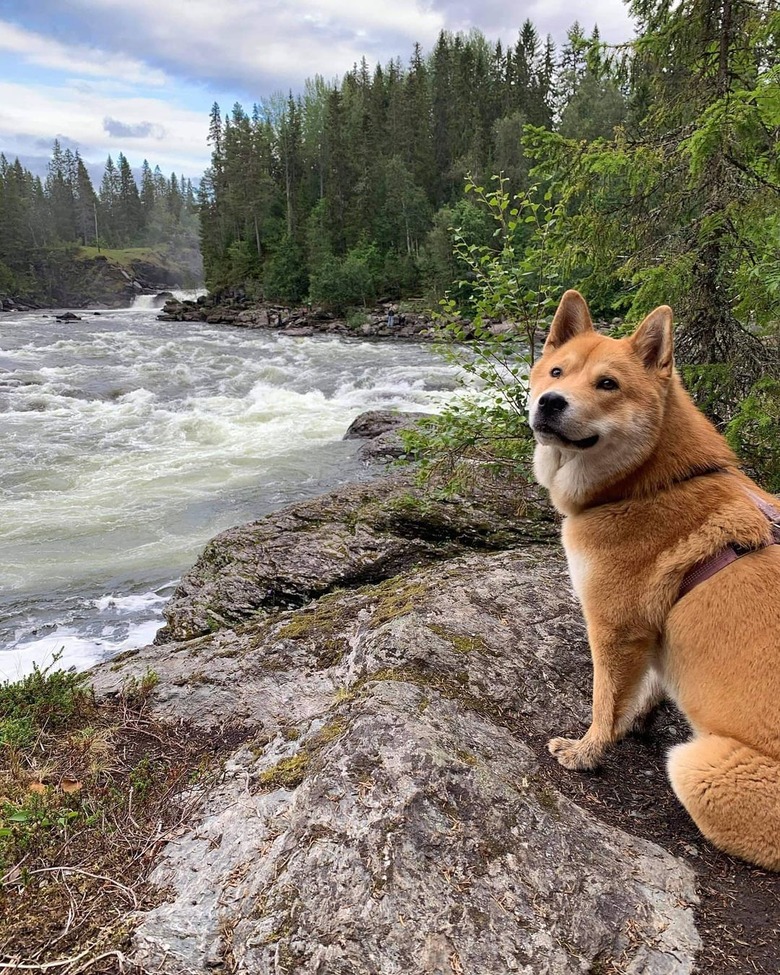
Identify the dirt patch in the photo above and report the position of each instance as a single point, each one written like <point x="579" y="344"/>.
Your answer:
<point x="739" y="915"/>
<point x="84" y="814"/>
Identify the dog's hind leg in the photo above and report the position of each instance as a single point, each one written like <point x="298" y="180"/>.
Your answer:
<point x="732" y="792"/>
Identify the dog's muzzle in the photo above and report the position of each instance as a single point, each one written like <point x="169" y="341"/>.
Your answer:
<point x="547" y="418"/>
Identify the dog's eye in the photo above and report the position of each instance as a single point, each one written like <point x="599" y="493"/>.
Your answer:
<point x="555" y="372"/>
<point x="607" y="383"/>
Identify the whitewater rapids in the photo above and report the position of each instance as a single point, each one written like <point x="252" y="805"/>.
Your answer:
<point x="129" y="442"/>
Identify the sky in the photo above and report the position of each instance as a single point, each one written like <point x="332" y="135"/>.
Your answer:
<point x="140" y="76"/>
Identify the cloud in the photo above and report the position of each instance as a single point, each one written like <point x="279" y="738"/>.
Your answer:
<point x="64" y="141"/>
<point x="33" y="114"/>
<point x="74" y="59"/>
<point x="138" y="130"/>
<point x="259" y="46"/>
<point x="496" y="18"/>
<point x="98" y="71"/>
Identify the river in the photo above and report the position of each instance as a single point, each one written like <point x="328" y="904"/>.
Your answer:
<point x="129" y="442"/>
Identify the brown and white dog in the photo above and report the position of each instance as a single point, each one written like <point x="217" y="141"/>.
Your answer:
<point x="649" y="490"/>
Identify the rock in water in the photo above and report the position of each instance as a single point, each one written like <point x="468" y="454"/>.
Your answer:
<point x="374" y="423"/>
<point x="381" y="429"/>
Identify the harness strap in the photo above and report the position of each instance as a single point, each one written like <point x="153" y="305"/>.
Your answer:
<point x="708" y="567"/>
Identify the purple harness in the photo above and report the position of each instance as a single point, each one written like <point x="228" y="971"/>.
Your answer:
<point x="708" y="567"/>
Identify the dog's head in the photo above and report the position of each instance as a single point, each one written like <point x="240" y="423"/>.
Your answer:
<point x="598" y="397"/>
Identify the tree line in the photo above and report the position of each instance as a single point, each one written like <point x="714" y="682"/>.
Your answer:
<point x="346" y="191"/>
<point x="44" y="220"/>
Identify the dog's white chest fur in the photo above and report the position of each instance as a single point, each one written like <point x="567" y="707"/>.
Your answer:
<point x="567" y="474"/>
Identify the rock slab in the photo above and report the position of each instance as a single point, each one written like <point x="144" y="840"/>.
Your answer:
<point x="387" y="812"/>
<point x="360" y="534"/>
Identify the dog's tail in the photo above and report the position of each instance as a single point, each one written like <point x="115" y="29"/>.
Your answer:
<point x="732" y="792"/>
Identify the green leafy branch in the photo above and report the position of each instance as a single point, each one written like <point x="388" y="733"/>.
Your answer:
<point x="491" y="324"/>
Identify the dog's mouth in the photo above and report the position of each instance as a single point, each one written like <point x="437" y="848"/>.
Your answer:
<point x="583" y="444"/>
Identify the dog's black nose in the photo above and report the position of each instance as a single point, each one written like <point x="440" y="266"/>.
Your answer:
<point x="551" y="403"/>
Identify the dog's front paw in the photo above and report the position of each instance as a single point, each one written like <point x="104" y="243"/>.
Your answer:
<point x="575" y="753"/>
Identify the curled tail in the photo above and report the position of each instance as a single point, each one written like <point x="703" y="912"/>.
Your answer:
<point x="732" y="793"/>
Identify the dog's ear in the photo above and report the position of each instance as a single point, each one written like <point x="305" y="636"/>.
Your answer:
<point x="652" y="341"/>
<point x="572" y="318"/>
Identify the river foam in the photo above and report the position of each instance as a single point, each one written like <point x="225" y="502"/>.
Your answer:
<point x="129" y="442"/>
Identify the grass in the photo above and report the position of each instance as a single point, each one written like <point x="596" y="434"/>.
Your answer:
<point x="89" y="792"/>
<point x="137" y="690"/>
<point x="125" y="255"/>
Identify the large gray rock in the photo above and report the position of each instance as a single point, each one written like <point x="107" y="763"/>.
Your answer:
<point x="387" y="813"/>
<point x="381" y="431"/>
<point x="359" y="534"/>
<point x="374" y="423"/>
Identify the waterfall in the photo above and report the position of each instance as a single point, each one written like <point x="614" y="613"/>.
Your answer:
<point x="150" y="302"/>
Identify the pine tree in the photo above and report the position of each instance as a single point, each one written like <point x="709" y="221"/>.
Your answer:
<point x="716" y="111"/>
<point x="60" y="192"/>
<point x="147" y="197"/>
<point x="128" y="214"/>
<point x="86" y="205"/>
<point x="680" y="207"/>
<point x="109" y="200"/>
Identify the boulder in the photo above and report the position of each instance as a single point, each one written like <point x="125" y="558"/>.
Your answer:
<point x="373" y="423"/>
<point x="381" y="430"/>
<point x="391" y="809"/>
<point x="360" y="534"/>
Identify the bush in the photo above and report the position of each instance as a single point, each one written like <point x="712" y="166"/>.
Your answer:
<point x="513" y="280"/>
<point x="8" y="284"/>
<point x="339" y="283"/>
<point x="242" y="263"/>
<point x="46" y="699"/>
<point x="400" y="274"/>
<point x="285" y="279"/>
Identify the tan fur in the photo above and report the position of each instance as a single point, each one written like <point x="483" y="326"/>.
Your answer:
<point x="659" y="491"/>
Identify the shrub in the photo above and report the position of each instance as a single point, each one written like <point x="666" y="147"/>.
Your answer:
<point x="512" y="282"/>
<point x="339" y="283"/>
<point x="285" y="278"/>
<point x="47" y="699"/>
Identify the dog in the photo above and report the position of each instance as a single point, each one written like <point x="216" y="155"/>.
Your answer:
<point x="652" y="497"/>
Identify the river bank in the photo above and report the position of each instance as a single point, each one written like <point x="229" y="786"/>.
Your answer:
<point x="346" y="719"/>
<point x="387" y="320"/>
<point x="80" y="278"/>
